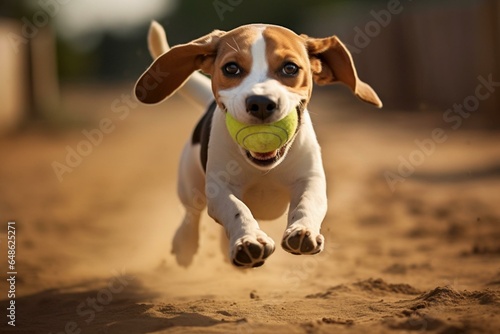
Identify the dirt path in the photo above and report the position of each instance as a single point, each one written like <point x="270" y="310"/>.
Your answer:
<point x="93" y="250"/>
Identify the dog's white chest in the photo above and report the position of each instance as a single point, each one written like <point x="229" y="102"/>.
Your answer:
<point x="260" y="73"/>
<point x="267" y="200"/>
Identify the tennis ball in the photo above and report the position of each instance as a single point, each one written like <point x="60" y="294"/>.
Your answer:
<point x="263" y="138"/>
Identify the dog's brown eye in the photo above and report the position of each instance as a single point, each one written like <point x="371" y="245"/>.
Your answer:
<point x="231" y="69"/>
<point x="290" y="69"/>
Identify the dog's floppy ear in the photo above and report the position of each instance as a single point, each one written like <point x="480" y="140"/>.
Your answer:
<point x="170" y="70"/>
<point x="331" y="62"/>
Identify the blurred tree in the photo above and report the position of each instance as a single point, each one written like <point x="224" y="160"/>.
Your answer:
<point x="196" y="18"/>
<point x="32" y="37"/>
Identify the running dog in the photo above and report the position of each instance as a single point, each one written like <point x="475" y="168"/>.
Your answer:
<point x="258" y="73"/>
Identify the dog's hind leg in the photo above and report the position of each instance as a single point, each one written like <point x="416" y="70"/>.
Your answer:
<point x="191" y="191"/>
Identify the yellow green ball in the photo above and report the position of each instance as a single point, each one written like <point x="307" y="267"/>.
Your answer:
<point x="263" y="138"/>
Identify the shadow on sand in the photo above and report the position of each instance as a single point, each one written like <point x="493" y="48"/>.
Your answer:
<point x="104" y="310"/>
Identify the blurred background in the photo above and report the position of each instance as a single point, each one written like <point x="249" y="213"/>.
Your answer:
<point x="418" y="55"/>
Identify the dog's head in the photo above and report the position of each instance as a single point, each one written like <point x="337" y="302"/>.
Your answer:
<point x="259" y="74"/>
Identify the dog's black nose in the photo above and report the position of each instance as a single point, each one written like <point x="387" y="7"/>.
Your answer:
<point x="260" y="106"/>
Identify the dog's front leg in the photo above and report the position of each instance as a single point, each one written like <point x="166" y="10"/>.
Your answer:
<point x="249" y="246"/>
<point x="308" y="207"/>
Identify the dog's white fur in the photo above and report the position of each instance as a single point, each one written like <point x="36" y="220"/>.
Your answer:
<point x="236" y="188"/>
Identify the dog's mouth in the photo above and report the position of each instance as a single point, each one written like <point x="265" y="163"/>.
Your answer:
<point x="267" y="159"/>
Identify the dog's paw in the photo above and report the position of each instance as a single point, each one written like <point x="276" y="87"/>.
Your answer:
<point x="251" y="251"/>
<point x="185" y="244"/>
<point x="300" y="240"/>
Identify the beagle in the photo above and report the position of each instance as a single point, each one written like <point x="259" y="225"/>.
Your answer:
<point x="259" y="73"/>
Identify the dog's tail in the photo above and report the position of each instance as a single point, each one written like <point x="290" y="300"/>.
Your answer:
<point x="157" y="40"/>
<point x="198" y="87"/>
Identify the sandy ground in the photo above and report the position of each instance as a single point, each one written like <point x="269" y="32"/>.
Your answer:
<point x="93" y="251"/>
